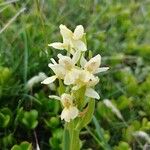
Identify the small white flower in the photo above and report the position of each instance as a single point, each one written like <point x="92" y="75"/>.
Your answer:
<point x="85" y="78"/>
<point x="64" y="69"/>
<point x="70" y="111"/>
<point x="93" y="65"/>
<point x="72" y="41"/>
<point x="60" y="69"/>
<point x="66" y="62"/>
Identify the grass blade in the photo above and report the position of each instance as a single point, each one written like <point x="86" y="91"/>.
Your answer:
<point x="8" y="2"/>
<point x="12" y="20"/>
<point x="101" y="134"/>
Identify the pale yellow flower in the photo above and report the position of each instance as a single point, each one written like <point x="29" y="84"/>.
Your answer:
<point x="70" y="111"/>
<point x="72" y="41"/>
<point x="93" y="65"/>
<point x="63" y="68"/>
<point x="85" y="78"/>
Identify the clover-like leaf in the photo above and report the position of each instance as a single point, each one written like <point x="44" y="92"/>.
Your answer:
<point x="4" y="120"/>
<point x="30" y="119"/>
<point x="23" y="146"/>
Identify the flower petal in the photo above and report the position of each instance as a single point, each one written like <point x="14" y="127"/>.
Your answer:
<point x="58" y="69"/>
<point x="73" y="112"/>
<point x="53" y="61"/>
<point x="78" y="32"/>
<point x="66" y="34"/>
<point x="60" y="56"/>
<point x="93" y="64"/>
<point x="101" y="69"/>
<point x="63" y="58"/>
<point x="69" y="113"/>
<point x="93" y="81"/>
<point x="76" y="87"/>
<point x="66" y="98"/>
<point x="79" y="45"/>
<point x="66" y="62"/>
<point x="69" y="78"/>
<point x="91" y="93"/>
<point x="65" y="115"/>
<point x="49" y="80"/>
<point x="54" y="97"/>
<point x="50" y="65"/>
<point x="83" y="61"/>
<point x="57" y="45"/>
<point x="76" y="57"/>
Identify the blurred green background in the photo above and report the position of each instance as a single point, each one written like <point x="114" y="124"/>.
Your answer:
<point x="118" y="30"/>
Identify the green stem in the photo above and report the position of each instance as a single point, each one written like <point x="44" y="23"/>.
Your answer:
<point x="66" y="138"/>
<point x="74" y="127"/>
<point x="75" y="141"/>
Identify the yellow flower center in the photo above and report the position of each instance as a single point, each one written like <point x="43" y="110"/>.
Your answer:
<point x="67" y="104"/>
<point x="91" y="66"/>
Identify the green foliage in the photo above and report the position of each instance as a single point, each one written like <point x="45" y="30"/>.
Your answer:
<point x="29" y="119"/>
<point x="52" y="122"/>
<point x="5" y="74"/>
<point x="5" y="117"/>
<point x="122" y="146"/>
<point x="87" y="117"/>
<point x="55" y="140"/>
<point x="118" y="30"/>
<point x="22" y="146"/>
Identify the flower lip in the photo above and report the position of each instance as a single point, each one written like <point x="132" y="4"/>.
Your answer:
<point x="69" y="112"/>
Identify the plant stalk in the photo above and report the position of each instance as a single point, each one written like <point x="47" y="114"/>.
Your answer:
<point x="75" y="141"/>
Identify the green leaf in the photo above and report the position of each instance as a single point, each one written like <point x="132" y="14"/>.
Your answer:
<point x="86" y="118"/>
<point x="101" y="134"/>
<point x="26" y="146"/>
<point x="122" y="146"/>
<point x="30" y="119"/>
<point x="66" y="139"/>
<point x="16" y="147"/>
<point x="80" y="97"/>
<point x="4" y="120"/>
<point x="61" y="89"/>
<point x="5" y="117"/>
<point x="74" y="141"/>
<point x="8" y="139"/>
<point x="53" y="122"/>
<point x="23" y="146"/>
